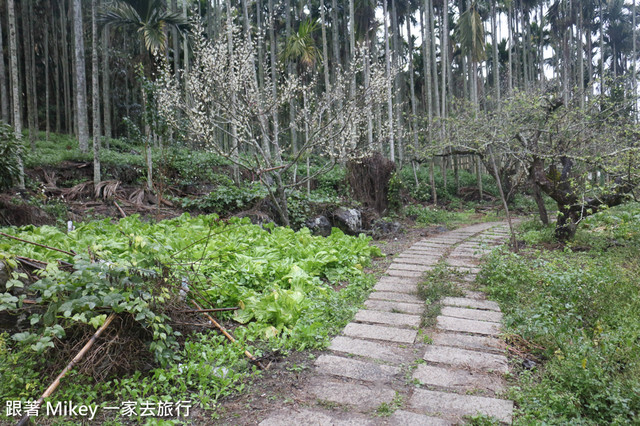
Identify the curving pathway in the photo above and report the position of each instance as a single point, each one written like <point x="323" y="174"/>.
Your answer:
<point x="383" y="369"/>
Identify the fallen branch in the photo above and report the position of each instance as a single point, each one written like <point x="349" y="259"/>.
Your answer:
<point x="70" y="253"/>
<point x="35" y="263"/>
<point x="119" y="209"/>
<point x="227" y="335"/>
<point x="190" y="311"/>
<point x="53" y="386"/>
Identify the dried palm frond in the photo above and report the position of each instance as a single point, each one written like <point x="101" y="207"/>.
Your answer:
<point x="137" y="197"/>
<point x="77" y="190"/>
<point x="107" y="188"/>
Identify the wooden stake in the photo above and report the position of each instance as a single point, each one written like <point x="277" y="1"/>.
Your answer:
<point x="53" y="386"/>
<point x="70" y="253"/>
<point x="190" y="311"/>
<point x="227" y="335"/>
<point x="120" y="209"/>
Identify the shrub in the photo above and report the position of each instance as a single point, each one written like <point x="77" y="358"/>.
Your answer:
<point x="578" y="312"/>
<point x="9" y="155"/>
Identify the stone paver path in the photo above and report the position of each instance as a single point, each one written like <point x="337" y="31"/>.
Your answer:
<point x="384" y="364"/>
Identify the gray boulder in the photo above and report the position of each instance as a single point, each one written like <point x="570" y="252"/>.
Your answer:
<point x="348" y="220"/>
<point x="319" y="225"/>
<point x="4" y="275"/>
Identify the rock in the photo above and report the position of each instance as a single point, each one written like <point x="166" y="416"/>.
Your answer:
<point x="319" y="225"/>
<point x="255" y="216"/>
<point x="348" y="220"/>
<point x="381" y="228"/>
<point x="4" y="276"/>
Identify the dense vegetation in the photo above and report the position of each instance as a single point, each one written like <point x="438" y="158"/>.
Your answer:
<point x="283" y="281"/>
<point x="573" y="311"/>
<point x="268" y="110"/>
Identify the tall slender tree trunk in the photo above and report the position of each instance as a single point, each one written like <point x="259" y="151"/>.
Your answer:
<point x="634" y="58"/>
<point x="325" y="49"/>
<point x="81" y="80"/>
<point x="414" y="113"/>
<point x="46" y="78"/>
<point x="397" y="84"/>
<point x="436" y="81"/>
<point x="352" y="50"/>
<point x="445" y="55"/>
<point x="34" y="96"/>
<point x="106" y="86"/>
<point x="234" y="128"/>
<point x="15" y="84"/>
<point x="496" y="59"/>
<point x="175" y="39"/>
<point x="445" y="67"/>
<point x="185" y="44"/>
<point x="274" y="82"/>
<point x="292" y="103"/>
<point x="28" y="70"/>
<point x="510" y="50"/>
<point x="95" y="95"/>
<point x="256" y="82"/>
<point x="335" y="39"/>
<point x="65" y="68"/>
<point x="426" y="59"/>
<point x="56" y="77"/>
<point x="4" y="94"/>
<point x="367" y="82"/>
<point x="580" y="52"/>
<point x="387" y="60"/>
<point x="602" y="79"/>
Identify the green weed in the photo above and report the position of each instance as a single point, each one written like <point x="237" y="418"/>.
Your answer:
<point x="578" y="309"/>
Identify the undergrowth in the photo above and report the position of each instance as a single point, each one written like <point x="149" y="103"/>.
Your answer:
<point x="286" y="284"/>
<point x="436" y="285"/>
<point x="575" y="309"/>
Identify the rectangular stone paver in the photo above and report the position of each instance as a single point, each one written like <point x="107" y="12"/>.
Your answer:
<point x="391" y="306"/>
<point x="408" y="418"/>
<point x="396" y="286"/>
<point x="468" y="326"/>
<point x="408" y="266"/>
<point x="378" y="332"/>
<point x="457" y="379"/>
<point x="461" y="262"/>
<point x="472" y="314"/>
<point x="355" y="369"/>
<point x="417" y="260"/>
<point x="423" y="252"/>
<point x="396" y="297"/>
<point x="478" y="343"/>
<point x="307" y="416"/>
<point x="413" y="281"/>
<point x="474" y="360"/>
<point x="388" y="318"/>
<point x="364" y="397"/>
<point x="376" y="350"/>
<point x="403" y="273"/>
<point x="471" y="303"/>
<point x="466" y="269"/>
<point x="456" y="406"/>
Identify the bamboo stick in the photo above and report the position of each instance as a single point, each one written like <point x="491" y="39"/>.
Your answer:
<point x="53" y="386"/>
<point x="189" y="311"/>
<point x="70" y="253"/>
<point x="120" y="209"/>
<point x="227" y="335"/>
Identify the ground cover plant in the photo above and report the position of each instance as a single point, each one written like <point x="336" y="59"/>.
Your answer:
<point x="294" y="291"/>
<point x="575" y="310"/>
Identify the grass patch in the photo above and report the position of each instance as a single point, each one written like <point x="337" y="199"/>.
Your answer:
<point x="386" y="409"/>
<point x="575" y="309"/>
<point x="284" y="282"/>
<point x="437" y="284"/>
